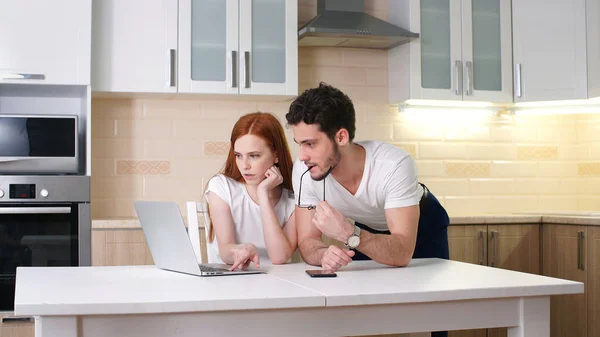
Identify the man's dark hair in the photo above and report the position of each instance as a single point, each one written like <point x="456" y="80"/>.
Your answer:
<point x="325" y="106"/>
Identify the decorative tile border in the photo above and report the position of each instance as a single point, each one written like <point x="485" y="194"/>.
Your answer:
<point x="537" y="152"/>
<point x="216" y="148"/>
<point x="410" y="148"/>
<point x="454" y="169"/>
<point x="143" y="167"/>
<point x="588" y="169"/>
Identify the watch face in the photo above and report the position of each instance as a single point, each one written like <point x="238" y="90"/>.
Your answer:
<point x="353" y="241"/>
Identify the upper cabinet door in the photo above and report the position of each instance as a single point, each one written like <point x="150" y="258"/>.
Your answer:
<point x="549" y="49"/>
<point x="436" y="60"/>
<point x="208" y="46"/>
<point x="268" y="59"/>
<point x="134" y="53"/>
<point x="46" y="42"/>
<point x="487" y="50"/>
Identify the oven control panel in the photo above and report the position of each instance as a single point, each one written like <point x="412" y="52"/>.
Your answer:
<point x="32" y="189"/>
<point x="21" y="191"/>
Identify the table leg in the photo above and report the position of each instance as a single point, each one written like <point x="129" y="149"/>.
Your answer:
<point x="534" y="318"/>
<point x="56" y="326"/>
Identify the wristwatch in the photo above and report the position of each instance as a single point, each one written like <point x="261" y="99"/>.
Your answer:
<point x="354" y="239"/>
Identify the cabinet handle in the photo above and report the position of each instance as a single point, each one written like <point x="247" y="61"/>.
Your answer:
<point x="518" y="92"/>
<point x="18" y="76"/>
<point x="469" y="66"/>
<point x="495" y="248"/>
<point x="17" y="319"/>
<point x="246" y="69"/>
<point x="172" y="68"/>
<point x="580" y="237"/>
<point x="234" y="73"/>
<point x="458" y="80"/>
<point x="481" y="247"/>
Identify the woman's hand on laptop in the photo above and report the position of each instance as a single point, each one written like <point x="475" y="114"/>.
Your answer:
<point x="243" y="255"/>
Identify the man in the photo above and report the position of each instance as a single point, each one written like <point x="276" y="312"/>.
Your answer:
<point x="370" y="182"/>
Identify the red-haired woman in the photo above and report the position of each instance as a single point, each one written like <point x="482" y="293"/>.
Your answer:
<point x="251" y="202"/>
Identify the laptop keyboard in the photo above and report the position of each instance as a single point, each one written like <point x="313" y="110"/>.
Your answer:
<point x="212" y="269"/>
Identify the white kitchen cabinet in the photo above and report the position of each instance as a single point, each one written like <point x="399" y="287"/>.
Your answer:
<point x="238" y="47"/>
<point x="463" y="52"/>
<point x="47" y="42"/>
<point x="556" y="50"/>
<point x="135" y="46"/>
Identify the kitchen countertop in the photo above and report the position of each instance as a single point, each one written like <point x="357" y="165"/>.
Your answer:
<point x="567" y="218"/>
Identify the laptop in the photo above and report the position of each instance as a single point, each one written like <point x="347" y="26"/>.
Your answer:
<point x="170" y="244"/>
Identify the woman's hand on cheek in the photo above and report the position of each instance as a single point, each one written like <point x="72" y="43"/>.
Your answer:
<point x="273" y="178"/>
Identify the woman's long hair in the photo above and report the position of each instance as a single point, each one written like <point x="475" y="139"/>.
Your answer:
<point x="268" y="128"/>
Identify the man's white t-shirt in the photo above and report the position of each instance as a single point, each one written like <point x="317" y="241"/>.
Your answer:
<point x="247" y="221"/>
<point x="389" y="181"/>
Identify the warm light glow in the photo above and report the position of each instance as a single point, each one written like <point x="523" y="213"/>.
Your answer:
<point x="452" y="115"/>
<point x="465" y="104"/>
<point x="565" y="103"/>
<point x="561" y="110"/>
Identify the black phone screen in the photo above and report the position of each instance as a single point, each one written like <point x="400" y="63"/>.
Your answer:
<point x="320" y="273"/>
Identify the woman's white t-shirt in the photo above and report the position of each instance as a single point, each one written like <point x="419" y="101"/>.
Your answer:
<point x="247" y="221"/>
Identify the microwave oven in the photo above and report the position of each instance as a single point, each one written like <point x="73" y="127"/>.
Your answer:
<point x="38" y="144"/>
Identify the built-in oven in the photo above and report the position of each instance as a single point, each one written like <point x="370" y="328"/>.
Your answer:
<point x="44" y="222"/>
<point x="39" y="144"/>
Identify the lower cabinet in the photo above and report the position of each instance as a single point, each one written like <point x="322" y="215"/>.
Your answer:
<point x="16" y="328"/>
<point x="513" y="247"/>
<point x="125" y="247"/>
<point x="573" y="253"/>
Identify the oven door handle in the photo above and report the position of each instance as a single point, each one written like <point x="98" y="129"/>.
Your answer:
<point x="35" y="210"/>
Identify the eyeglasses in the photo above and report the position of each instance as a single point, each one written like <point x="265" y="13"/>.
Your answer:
<point x="309" y="207"/>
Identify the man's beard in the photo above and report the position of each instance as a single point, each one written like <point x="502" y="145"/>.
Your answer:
<point x="332" y="162"/>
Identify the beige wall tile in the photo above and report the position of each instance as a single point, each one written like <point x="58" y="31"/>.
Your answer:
<point x="490" y="151"/>
<point x="588" y="186"/>
<point x="557" y="203"/>
<point x="513" y="134"/>
<point x="410" y="148"/>
<point x="514" y="169"/>
<point x="537" y="186"/>
<point x="442" y="151"/>
<point x="505" y="204"/>
<point x="407" y="131"/>
<point x="339" y="76"/>
<point x="171" y="109"/>
<point x="216" y="148"/>
<point x="588" y="203"/>
<point x="139" y="167"/>
<point x="117" y="109"/>
<point x="173" y="149"/>
<point x="456" y="206"/>
<point x="383" y="132"/>
<point x="118" y="148"/>
<point x="528" y="152"/>
<point x="430" y="168"/>
<point x="557" y="169"/>
<point x="492" y="187"/>
<point x="371" y="58"/>
<point x="588" y="169"/>
<point x="377" y="77"/>
<point x="102" y="167"/>
<point x="123" y="186"/>
<point x="144" y="129"/>
<point x="446" y="187"/>
<point x="173" y="187"/>
<point x="471" y="133"/>
<point x="467" y="169"/>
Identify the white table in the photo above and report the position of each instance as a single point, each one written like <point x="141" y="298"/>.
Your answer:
<point x="366" y="298"/>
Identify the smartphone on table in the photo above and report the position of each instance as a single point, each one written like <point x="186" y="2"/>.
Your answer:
<point x="320" y="273"/>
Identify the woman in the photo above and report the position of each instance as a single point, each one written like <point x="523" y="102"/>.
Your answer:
<point x="250" y="202"/>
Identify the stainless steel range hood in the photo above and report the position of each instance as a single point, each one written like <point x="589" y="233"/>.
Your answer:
<point x="344" y="23"/>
